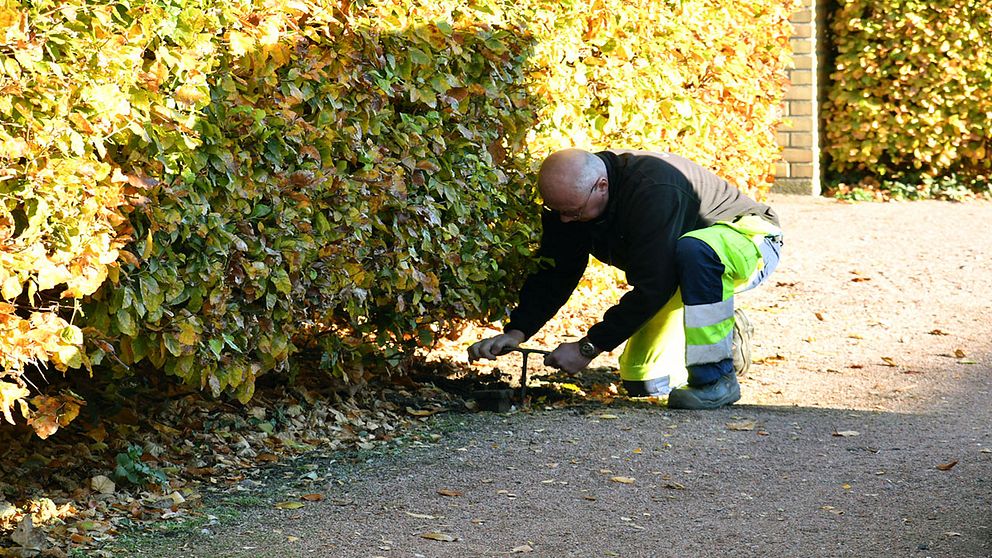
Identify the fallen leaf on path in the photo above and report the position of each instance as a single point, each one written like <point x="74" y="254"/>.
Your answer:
<point x="846" y="433"/>
<point x="522" y="548"/>
<point x="420" y="515"/>
<point x="889" y="361"/>
<point x="607" y="417"/>
<point x="312" y="497"/>
<point x="986" y="450"/>
<point x="623" y="480"/>
<point x="947" y="466"/>
<point x="674" y="485"/>
<point x="952" y="534"/>
<point x="449" y="492"/>
<point x="846" y="486"/>
<point x="819" y="316"/>
<point x="422" y="412"/>
<point x="967" y="361"/>
<point x="267" y="457"/>
<point x="769" y="360"/>
<point x="291" y="538"/>
<point x="435" y="536"/>
<point x="590" y="498"/>
<point x="289" y="505"/>
<point x="937" y="332"/>
<point x="740" y="425"/>
<point x="959" y="353"/>
<point x="80" y="539"/>
<point x="26" y="535"/>
<point x="102" y="484"/>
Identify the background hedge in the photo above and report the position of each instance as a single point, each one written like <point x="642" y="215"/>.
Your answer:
<point x="223" y="189"/>
<point x="912" y="90"/>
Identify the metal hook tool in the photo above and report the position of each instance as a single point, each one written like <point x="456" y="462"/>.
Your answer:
<point x="500" y="400"/>
<point x="523" y="371"/>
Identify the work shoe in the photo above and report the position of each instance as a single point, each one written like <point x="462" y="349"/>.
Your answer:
<point x="743" y="330"/>
<point x="722" y="392"/>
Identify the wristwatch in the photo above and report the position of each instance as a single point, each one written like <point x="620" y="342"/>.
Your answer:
<point x="587" y="349"/>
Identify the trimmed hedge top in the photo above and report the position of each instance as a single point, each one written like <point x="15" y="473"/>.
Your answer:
<point x="912" y="90"/>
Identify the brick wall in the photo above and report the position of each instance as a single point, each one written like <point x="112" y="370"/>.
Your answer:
<point x="799" y="169"/>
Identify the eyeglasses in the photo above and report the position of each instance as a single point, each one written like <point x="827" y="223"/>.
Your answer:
<point x="575" y="213"/>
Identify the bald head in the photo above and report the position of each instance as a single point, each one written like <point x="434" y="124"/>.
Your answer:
<point x="574" y="183"/>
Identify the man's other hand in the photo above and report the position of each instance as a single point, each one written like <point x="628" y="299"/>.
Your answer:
<point x="567" y="358"/>
<point x="494" y="346"/>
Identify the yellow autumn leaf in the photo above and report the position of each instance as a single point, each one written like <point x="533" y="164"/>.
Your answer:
<point x="623" y="480"/>
<point x="270" y="31"/>
<point x="187" y="334"/>
<point x="289" y="505"/>
<point x="241" y="43"/>
<point x="9" y="393"/>
<point x="12" y="287"/>
<point x="68" y="356"/>
<point x="51" y="275"/>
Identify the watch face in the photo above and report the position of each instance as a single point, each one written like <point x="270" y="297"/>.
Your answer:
<point x="587" y="349"/>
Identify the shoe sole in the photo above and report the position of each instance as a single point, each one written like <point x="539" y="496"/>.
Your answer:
<point x="742" y="342"/>
<point x="681" y="399"/>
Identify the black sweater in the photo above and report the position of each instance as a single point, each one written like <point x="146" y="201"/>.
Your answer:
<point x="654" y="199"/>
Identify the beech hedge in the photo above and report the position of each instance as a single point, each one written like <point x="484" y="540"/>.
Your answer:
<point x="224" y="189"/>
<point x="911" y="95"/>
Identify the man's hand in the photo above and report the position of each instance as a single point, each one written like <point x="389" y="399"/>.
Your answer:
<point x="567" y="358"/>
<point x="494" y="346"/>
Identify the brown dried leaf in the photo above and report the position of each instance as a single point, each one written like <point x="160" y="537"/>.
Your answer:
<point x="449" y="492"/>
<point x="959" y="353"/>
<point x="846" y="433"/>
<point x="741" y="425"/>
<point x="26" y="535"/>
<point x="947" y="466"/>
<point x="312" y="497"/>
<point x="435" y="536"/>
<point x="623" y="480"/>
<point x="102" y="484"/>
<point x="889" y="361"/>
<point x="774" y="359"/>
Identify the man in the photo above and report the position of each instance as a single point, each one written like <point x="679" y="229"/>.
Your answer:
<point x="687" y="241"/>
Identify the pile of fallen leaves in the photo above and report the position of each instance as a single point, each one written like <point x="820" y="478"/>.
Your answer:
<point x="152" y="461"/>
<point x="144" y="455"/>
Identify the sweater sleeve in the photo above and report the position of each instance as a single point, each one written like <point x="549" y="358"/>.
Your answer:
<point x="652" y="229"/>
<point x="565" y="252"/>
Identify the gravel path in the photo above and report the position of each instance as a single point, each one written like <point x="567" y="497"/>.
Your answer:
<point x="864" y="430"/>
